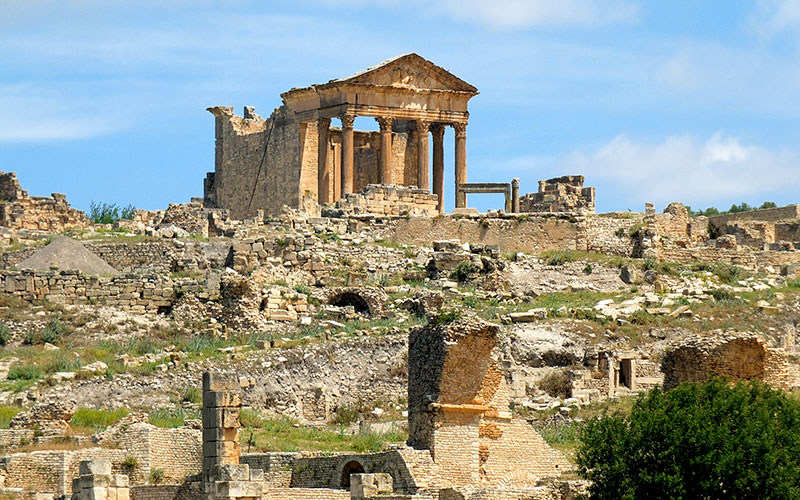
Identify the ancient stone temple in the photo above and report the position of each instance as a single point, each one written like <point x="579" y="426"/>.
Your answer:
<point x="299" y="155"/>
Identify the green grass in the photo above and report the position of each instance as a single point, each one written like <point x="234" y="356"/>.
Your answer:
<point x="6" y="414"/>
<point x="281" y="434"/>
<point x="169" y="418"/>
<point x="97" y="420"/>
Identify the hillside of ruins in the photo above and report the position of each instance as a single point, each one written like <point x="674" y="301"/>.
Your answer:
<point x="317" y="326"/>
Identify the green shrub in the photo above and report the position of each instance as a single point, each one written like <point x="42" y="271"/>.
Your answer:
<point x="97" y="420"/>
<point x="54" y="332"/>
<point x="130" y="462"/>
<point x="463" y="271"/>
<point x="447" y="317"/>
<point x="107" y="213"/>
<point x="588" y="269"/>
<point x="250" y="418"/>
<point x="556" y="384"/>
<point x="559" y="258"/>
<point x="709" y="440"/>
<point x="24" y="372"/>
<point x="156" y="475"/>
<point x="192" y="395"/>
<point x="169" y="418"/>
<point x="5" y="334"/>
<point x="302" y="289"/>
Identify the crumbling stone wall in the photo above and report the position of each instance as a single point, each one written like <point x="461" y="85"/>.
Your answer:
<point x="458" y="408"/>
<point x="177" y="452"/>
<point x="389" y="200"/>
<point x="739" y="356"/>
<point x="20" y="211"/>
<point x="560" y="194"/>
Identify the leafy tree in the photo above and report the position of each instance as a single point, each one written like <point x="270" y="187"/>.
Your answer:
<point x="108" y="213"/>
<point x="768" y="204"/>
<point x="697" y="441"/>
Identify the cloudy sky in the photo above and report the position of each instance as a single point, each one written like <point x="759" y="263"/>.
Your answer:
<point x="688" y="100"/>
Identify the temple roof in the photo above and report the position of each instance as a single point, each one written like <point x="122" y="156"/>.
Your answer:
<point x="410" y="71"/>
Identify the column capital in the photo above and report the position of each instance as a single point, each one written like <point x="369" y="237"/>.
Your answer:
<point x="385" y="122"/>
<point x="438" y="131"/>
<point x="461" y="129"/>
<point x="324" y="121"/>
<point x="423" y="126"/>
<point x="347" y="120"/>
<point x="515" y="182"/>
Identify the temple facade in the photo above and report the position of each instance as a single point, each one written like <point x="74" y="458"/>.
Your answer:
<point x="308" y="151"/>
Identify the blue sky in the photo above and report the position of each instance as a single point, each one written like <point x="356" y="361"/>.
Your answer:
<point x="688" y="100"/>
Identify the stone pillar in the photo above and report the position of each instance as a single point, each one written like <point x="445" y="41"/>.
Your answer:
<point x="323" y="171"/>
<point x="423" y="172"/>
<point x="385" y="158"/>
<point x="224" y="478"/>
<point x="347" y="154"/>
<point x="438" y="164"/>
<point x="96" y="482"/>
<point x="221" y="406"/>
<point x="515" y="195"/>
<point x="461" y="162"/>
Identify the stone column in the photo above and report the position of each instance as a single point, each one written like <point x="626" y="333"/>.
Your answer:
<point x="515" y="195"/>
<point x="385" y="159"/>
<point x="423" y="172"/>
<point x="347" y="154"/>
<point x="438" y="165"/>
<point x="324" y="173"/>
<point x="461" y="161"/>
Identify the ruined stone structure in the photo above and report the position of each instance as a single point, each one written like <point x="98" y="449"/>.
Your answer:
<point x="458" y="409"/>
<point x="296" y="155"/>
<point x="18" y="211"/>
<point x="738" y="356"/>
<point x="96" y="482"/>
<point x="560" y="194"/>
<point x="764" y="229"/>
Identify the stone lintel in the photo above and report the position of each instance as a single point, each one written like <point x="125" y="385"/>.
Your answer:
<point x="464" y="408"/>
<point x="485" y="187"/>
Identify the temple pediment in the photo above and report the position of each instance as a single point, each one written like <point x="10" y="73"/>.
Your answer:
<point x="409" y="71"/>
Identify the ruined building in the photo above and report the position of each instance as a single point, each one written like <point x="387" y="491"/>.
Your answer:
<point x="265" y="164"/>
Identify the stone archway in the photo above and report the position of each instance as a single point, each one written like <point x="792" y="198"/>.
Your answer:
<point x="368" y="301"/>
<point x="351" y="467"/>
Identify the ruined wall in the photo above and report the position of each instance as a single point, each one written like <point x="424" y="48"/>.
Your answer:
<point x="763" y="215"/>
<point x="560" y="194"/>
<point x="739" y="356"/>
<point x="134" y="293"/>
<point x="177" y="452"/>
<point x="54" y="470"/>
<point x="19" y="211"/>
<point x="187" y="491"/>
<point x="512" y="234"/>
<point x="257" y="162"/>
<point x="389" y="200"/>
<point x="746" y="258"/>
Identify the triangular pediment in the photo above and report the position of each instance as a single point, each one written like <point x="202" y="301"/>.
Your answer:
<point x="409" y="71"/>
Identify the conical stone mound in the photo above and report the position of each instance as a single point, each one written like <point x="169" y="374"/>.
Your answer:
<point x="66" y="254"/>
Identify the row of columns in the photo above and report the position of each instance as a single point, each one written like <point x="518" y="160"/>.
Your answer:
<point x="385" y="157"/>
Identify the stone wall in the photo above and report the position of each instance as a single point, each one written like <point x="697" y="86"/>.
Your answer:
<point x="388" y="200"/>
<point x="177" y="452"/>
<point x="20" y="211"/>
<point x="560" y="194"/>
<point x="149" y="294"/>
<point x="763" y="215"/>
<point x="186" y="491"/>
<point x="739" y="356"/>
<point x="745" y="257"/>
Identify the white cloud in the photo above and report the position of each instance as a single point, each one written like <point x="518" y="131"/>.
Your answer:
<point x="776" y="16"/>
<point x="714" y="171"/>
<point x="518" y="14"/>
<point x="29" y="114"/>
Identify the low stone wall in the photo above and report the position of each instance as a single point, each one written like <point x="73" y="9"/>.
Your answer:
<point x="144" y="294"/>
<point x="15" y="437"/>
<point x="306" y="494"/>
<point x="764" y="215"/>
<point x="54" y="470"/>
<point x="176" y="452"/>
<point x="187" y="491"/>
<point x="746" y="258"/>
<point x="391" y="200"/>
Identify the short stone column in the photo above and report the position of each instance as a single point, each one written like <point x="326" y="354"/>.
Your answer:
<point x="224" y="478"/>
<point x="438" y="164"/>
<point x="370" y="485"/>
<point x="461" y="162"/>
<point x="423" y="170"/>
<point x="221" y="406"/>
<point x="347" y="154"/>
<point x="323" y="171"/>
<point x="385" y="159"/>
<point x="515" y="195"/>
<point x="96" y="482"/>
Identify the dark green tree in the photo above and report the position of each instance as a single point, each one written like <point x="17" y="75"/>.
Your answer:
<point x="697" y="441"/>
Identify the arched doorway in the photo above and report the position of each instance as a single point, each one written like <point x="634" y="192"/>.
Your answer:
<point x="351" y="467"/>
